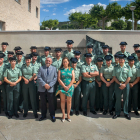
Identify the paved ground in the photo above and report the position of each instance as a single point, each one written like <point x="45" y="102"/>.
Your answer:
<point x="93" y="127"/>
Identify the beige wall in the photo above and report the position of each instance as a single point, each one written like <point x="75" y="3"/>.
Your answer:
<point x="25" y="39"/>
<point x="17" y="17"/>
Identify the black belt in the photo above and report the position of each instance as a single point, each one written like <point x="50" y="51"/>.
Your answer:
<point x="121" y="82"/>
<point x="108" y="80"/>
<point x="75" y="82"/>
<point x="89" y="81"/>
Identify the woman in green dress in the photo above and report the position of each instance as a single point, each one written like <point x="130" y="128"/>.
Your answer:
<point x="65" y="88"/>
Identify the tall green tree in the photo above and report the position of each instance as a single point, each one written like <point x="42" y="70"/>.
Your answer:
<point x="119" y="25"/>
<point x="127" y="13"/>
<point x="112" y="11"/>
<point x="49" y="23"/>
<point x="84" y="20"/>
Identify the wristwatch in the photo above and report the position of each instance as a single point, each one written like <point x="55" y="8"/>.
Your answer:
<point x="89" y="73"/>
<point x="120" y="84"/>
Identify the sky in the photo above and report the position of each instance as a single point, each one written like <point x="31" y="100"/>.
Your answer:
<point x="60" y="9"/>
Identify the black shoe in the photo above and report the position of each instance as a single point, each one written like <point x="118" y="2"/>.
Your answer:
<point x="101" y="109"/>
<point x="115" y="116"/>
<point x="113" y="109"/>
<point x="104" y="112"/>
<point x="71" y="113"/>
<point x="6" y="113"/>
<point x="16" y="115"/>
<point x="93" y="112"/>
<point x="97" y="109"/>
<point x="111" y="113"/>
<point x="21" y="110"/>
<point x="42" y="118"/>
<point x="137" y="113"/>
<point x="85" y="113"/>
<point x="77" y="113"/>
<point x="10" y="116"/>
<point x="36" y="115"/>
<point x="25" y="115"/>
<point x="127" y="116"/>
<point x="129" y="111"/>
<point x="53" y="119"/>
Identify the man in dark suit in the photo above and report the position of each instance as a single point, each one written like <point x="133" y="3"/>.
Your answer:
<point x="47" y="77"/>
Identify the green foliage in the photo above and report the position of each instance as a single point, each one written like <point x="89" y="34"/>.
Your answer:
<point x="119" y="25"/>
<point x="110" y="28"/>
<point x="50" y="23"/>
<point x="84" y="20"/>
<point x="129" y="25"/>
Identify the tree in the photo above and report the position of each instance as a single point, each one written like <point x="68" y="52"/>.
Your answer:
<point x="129" y="25"/>
<point x="112" y="11"/>
<point x="50" y="23"/>
<point x="128" y="13"/>
<point x="84" y="20"/>
<point x="119" y="25"/>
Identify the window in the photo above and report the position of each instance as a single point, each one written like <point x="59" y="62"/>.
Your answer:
<point x="18" y="1"/>
<point x="2" y="26"/>
<point x="29" y="5"/>
<point x="36" y="12"/>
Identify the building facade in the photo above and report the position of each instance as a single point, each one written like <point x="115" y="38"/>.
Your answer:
<point x="19" y="15"/>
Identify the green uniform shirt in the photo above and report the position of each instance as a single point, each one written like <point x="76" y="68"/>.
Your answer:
<point x="104" y="61"/>
<point x="19" y="65"/>
<point x="27" y="72"/>
<point x="77" y="72"/>
<point x="88" y="68"/>
<point x="107" y="71"/>
<point x="6" y="55"/>
<point x="137" y="63"/>
<point x="36" y="66"/>
<point x="12" y="74"/>
<point x="126" y="53"/>
<point x="57" y="63"/>
<point x="134" y="71"/>
<point x="68" y="54"/>
<point x="114" y="64"/>
<point x="93" y="58"/>
<point x="43" y="59"/>
<point x="98" y="77"/>
<point x="122" y="73"/>
<point x="135" y="55"/>
<point x="2" y="70"/>
<point x="80" y="63"/>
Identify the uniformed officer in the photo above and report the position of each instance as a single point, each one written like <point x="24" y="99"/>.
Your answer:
<point x="89" y="71"/>
<point x="10" y="54"/>
<point x="12" y="76"/>
<point x="2" y="84"/>
<point x="89" y="50"/>
<point x="137" y="61"/>
<point x="108" y="84"/>
<point x="28" y="87"/>
<point x="99" y="92"/>
<point x="77" y="56"/>
<point x="43" y="58"/>
<point x="105" y="52"/>
<point x="4" y="49"/>
<point x="77" y="87"/>
<point x="19" y="64"/>
<point x="116" y="56"/>
<point x="123" y="51"/>
<point x="133" y="95"/>
<point x="34" y="50"/>
<point x="57" y="61"/>
<point x="17" y="49"/>
<point x="121" y="75"/>
<point x="136" y="47"/>
<point x="69" y="52"/>
<point x="36" y="66"/>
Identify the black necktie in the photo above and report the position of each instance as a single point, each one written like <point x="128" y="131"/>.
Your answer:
<point x="47" y="71"/>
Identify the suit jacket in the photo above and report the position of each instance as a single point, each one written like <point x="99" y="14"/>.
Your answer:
<point x="44" y="79"/>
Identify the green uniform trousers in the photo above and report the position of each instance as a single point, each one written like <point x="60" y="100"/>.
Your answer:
<point x="118" y="93"/>
<point x="29" y="89"/>
<point x="55" y="97"/>
<point x="4" y="95"/>
<point x="89" y="91"/>
<point x="99" y="97"/>
<point x="76" y="98"/>
<point x="133" y="98"/>
<point x="108" y="96"/>
<point x="21" y="95"/>
<point x="12" y="98"/>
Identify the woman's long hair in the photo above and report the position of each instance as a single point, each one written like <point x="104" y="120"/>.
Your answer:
<point x="62" y="63"/>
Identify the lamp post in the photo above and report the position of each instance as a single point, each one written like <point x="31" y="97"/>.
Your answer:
<point x="132" y="8"/>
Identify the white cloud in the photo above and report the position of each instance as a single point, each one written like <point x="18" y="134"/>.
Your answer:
<point x="54" y="14"/>
<point x="119" y="0"/>
<point x="45" y="10"/>
<point x="52" y="5"/>
<point x="83" y="9"/>
<point x="53" y="1"/>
